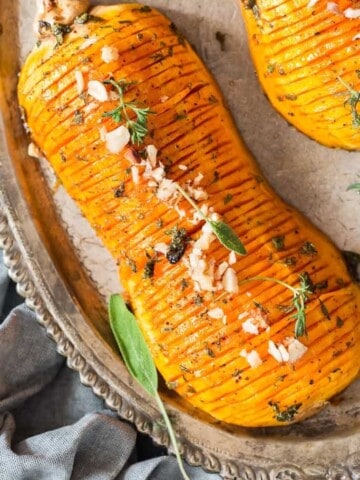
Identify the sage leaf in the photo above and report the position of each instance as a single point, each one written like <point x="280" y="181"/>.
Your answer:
<point x="354" y="186"/>
<point x="132" y="346"/>
<point x="139" y="362"/>
<point x="225" y="234"/>
<point x="227" y="237"/>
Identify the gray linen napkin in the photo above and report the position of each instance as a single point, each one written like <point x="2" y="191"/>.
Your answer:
<point x="54" y="428"/>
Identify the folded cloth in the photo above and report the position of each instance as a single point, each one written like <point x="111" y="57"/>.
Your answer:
<point x="54" y="428"/>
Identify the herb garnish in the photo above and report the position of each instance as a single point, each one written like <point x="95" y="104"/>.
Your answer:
<point x="137" y="128"/>
<point x="216" y="176"/>
<point x="86" y="17"/>
<point x="339" y="322"/>
<point x="149" y="266"/>
<point x="352" y="101"/>
<point x="198" y="300"/>
<point x="354" y="186"/>
<point x="144" y="9"/>
<point x="224" y="233"/>
<point x="300" y="296"/>
<point x="139" y="362"/>
<point x="290" y="261"/>
<point x="78" y="117"/>
<point x="261" y="307"/>
<point x="120" y="190"/>
<point x="324" y="310"/>
<point x="177" y="247"/>
<point x="278" y="242"/>
<point x="59" y="31"/>
<point x="308" y="248"/>
<point x="132" y="264"/>
<point x="227" y="199"/>
<point x="286" y="415"/>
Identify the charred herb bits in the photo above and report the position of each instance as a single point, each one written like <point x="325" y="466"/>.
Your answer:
<point x="278" y="242"/>
<point x="288" y="414"/>
<point x="149" y="266"/>
<point x="177" y="247"/>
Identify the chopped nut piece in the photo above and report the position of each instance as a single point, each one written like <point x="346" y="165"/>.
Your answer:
<point x="109" y="54"/>
<point x="97" y="90"/>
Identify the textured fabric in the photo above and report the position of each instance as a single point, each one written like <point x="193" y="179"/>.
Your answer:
<point x="54" y="428"/>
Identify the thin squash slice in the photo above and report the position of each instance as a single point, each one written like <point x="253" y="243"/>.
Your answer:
<point x="306" y="55"/>
<point x="228" y="347"/>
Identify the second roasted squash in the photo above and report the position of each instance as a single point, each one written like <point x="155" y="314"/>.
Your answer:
<point x="307" y="57"/>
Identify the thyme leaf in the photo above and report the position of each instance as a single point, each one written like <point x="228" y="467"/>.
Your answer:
<point x="59" y="31"/>
<point x="224" y="233"/>
<point x="299" y="301"/>
<point x="137" y="127"/>
<point x="139" y="362"/>
<point x="278" y="242"/>
<point x="286" y="415"/>
<point x="352" y="101"/>
<point x="300" y="297"/>
<point x="86" y="17"/>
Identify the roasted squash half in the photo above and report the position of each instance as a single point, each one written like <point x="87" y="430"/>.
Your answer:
<point x="227" y="347"/>
<point x="306" y="55"/>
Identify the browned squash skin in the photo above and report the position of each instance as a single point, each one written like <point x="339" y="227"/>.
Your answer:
<point x="300" y="52"/>
<point x="198" y="356"/>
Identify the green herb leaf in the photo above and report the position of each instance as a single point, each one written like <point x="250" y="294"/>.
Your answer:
<point x="308" y="248"/>
<point x="224" y="233"/>
<point x="86" y="17"/>
<point x="278" y="242"/>
<point x="138" y="127"/>
<point x="286" y="415"/>
<point x="132" y="346"/>
<point x="59" y="31"/>
<point x="138" y="360"/>
<point x="227" y="198"/>
<point x="300" y="297"/>
<point x="227" y="236"/>
<point x="177" y="247"/>
<point x="150" y="267"/>
<point x="354" y="186"/>
<point x="352" y="101"/>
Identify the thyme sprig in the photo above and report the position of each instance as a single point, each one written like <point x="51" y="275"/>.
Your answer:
<point x="352" y="101"/>
<point x="139" y="362"/>
<point x="224" y="233"/>
<point x="300" y="297"/>
<point x="138" y="127"/>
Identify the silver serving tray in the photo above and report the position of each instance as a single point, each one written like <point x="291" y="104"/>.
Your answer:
<point x="65" y="274"/>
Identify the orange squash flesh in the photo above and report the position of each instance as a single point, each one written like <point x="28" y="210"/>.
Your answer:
<point x="198" y="356"/>
<point x="302" y="50"/>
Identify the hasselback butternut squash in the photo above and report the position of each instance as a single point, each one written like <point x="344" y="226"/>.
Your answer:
<point x="306" y="55"/>
<point x="226" y="346"/>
